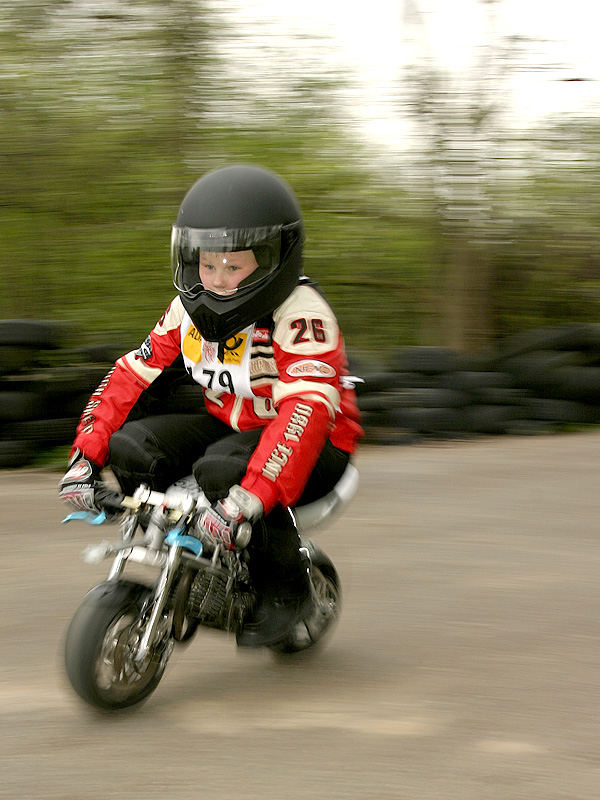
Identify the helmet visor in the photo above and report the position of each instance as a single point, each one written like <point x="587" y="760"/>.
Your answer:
<point x="194" y="250"/>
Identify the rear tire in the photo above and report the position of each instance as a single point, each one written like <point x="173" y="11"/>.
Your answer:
<point x="327" y="594"/>
<point x="100" y="643"/>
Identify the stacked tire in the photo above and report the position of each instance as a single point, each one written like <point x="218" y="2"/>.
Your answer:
<point x="45" y="383"/>
<point x="44" y="386"/>
<point x="534" y="382"/>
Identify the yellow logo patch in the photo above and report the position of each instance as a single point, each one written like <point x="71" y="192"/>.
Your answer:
<point x="232" y="351"/>
<point x="192" y="345"/>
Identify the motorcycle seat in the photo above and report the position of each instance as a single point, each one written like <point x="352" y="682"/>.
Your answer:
<point x="313" y="515"/>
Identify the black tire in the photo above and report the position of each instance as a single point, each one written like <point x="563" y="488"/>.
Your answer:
<point x="472" y="380"/>
<point x="44" y="334"/>
<point x="18" y="406"/>
<point x="426" y="420"/>
<point x="433" y="397"/>
<point x="14" y="359"/>
<point x="577" y="383"/>
<point x="492" y="420"/>
<point x="328" y="594"/>
<point x="428" y="360"/>
<point x="100" y="634"/>
<point x="500" y="396"/>
<point x="43" y="432"/>
<point x="15" y="453"/>
<point x="579" y="336"/>
<point x="548" y="409"/>
<point x="539" y="369"/>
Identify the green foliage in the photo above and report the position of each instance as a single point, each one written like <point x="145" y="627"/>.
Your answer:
<point x="106" y="120"/>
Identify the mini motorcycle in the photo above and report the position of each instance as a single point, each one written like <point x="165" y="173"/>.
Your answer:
<point x="122" y="635"/>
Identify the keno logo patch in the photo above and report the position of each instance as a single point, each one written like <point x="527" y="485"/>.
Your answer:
<point x="310" y="369"/>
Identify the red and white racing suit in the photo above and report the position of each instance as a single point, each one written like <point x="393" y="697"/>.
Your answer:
<point x="286" y="373"/>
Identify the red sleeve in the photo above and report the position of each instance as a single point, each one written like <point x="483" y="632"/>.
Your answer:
<point x="109" y="405"/>
<point x="287" y="452"/>
<point x="310" y="357"/>
<point x="105" y="412"/>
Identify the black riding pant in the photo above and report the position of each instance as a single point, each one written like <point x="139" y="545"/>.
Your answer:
<point x="158" y="450"/>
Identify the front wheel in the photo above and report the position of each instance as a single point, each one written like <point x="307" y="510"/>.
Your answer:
<point x="327" y="596"/>
<point x="102" y="641"/>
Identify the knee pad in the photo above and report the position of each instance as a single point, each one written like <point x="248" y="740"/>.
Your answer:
<point x="217" y="474"/>
<point x="130" y="449"/>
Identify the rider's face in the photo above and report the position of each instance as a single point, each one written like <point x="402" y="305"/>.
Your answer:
<point x="222" y="273"/>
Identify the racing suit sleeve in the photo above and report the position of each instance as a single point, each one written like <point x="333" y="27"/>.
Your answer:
<point x="310" y="357"/>
<point x="111" y="402"/>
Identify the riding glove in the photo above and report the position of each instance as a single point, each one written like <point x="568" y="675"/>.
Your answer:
<point x="78" y="485"/>
<point x="228" y="520"/>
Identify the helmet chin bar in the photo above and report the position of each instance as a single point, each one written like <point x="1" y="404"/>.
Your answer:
<point x="218" y="318"/>
<point x="214" y="327"/>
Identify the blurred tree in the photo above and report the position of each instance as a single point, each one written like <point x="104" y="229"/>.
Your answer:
<point x="473" y="162"/>
<point x="109" y="111"/>
<point x="463" y="150"/>
<point x="98" y="108"/>
<point x="546" y="257"/>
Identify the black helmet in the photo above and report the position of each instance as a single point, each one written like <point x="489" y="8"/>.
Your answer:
<point x="237" y="208"/>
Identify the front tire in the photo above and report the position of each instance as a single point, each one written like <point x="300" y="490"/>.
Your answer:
<point x="101" y="642"/>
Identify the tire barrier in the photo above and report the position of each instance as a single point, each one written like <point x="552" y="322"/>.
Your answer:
<point x="45" y="384"/>
<point x="534" y="382"/>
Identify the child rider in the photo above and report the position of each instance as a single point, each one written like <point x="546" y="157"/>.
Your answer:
<point x="264" y="344"/>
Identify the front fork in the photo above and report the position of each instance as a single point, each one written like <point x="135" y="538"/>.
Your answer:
<point x="150" y="555"/>
<point x="161" y="594"/>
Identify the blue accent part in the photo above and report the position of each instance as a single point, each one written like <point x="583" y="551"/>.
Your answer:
<point x="184" y="540"/>
<point x="87" y="516"/>
<point x="172" y="536"/>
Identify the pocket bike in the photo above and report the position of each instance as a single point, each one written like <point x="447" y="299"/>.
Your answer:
<point x="122" y="635"/>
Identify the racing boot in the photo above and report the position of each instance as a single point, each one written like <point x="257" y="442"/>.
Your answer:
<point x="273" y="619"/>
<point x="280" y="574"/>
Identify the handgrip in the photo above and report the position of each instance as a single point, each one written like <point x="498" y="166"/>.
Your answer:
<point x="109" y="500"/>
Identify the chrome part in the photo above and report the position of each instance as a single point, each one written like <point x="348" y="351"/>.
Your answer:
<point x="95" y="553"/>
<point x="155" y="532"/>
<point x="128" y="527"/>
<point x="118" y="566"/>
<point x="146" y="557"/>
<point x="118" y="670"/>
<point x="243" y="535"/>
<point x="161" y="594"/>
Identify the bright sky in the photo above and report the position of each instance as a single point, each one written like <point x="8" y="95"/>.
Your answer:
<point x="372" y="41"/>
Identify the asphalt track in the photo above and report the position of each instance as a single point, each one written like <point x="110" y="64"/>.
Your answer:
<point x="465" y="664"/>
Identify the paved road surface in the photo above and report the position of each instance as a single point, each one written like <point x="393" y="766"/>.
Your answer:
<point x="466" y="663"/>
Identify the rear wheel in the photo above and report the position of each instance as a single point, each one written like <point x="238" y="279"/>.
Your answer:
<point x="101" y="644"/>
<point x="327" y="596"/>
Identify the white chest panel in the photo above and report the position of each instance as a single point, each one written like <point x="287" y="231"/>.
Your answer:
<point x="221" y="367"/>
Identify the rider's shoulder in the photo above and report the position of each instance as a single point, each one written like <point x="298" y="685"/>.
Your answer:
<point x="306" y="298"/>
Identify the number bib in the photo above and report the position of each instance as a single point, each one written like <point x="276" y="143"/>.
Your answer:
<point x="219" y="366"/>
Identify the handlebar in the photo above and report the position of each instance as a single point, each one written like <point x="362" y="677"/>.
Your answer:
<point x="177" y="501"/>
<point x="108" y="500"/>
<point x="174" y="499"/>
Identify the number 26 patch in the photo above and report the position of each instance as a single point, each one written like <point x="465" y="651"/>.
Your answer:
<point x="308" y="330"/>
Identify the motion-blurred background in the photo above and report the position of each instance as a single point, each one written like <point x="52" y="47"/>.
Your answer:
<point x="446" y="156"/>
